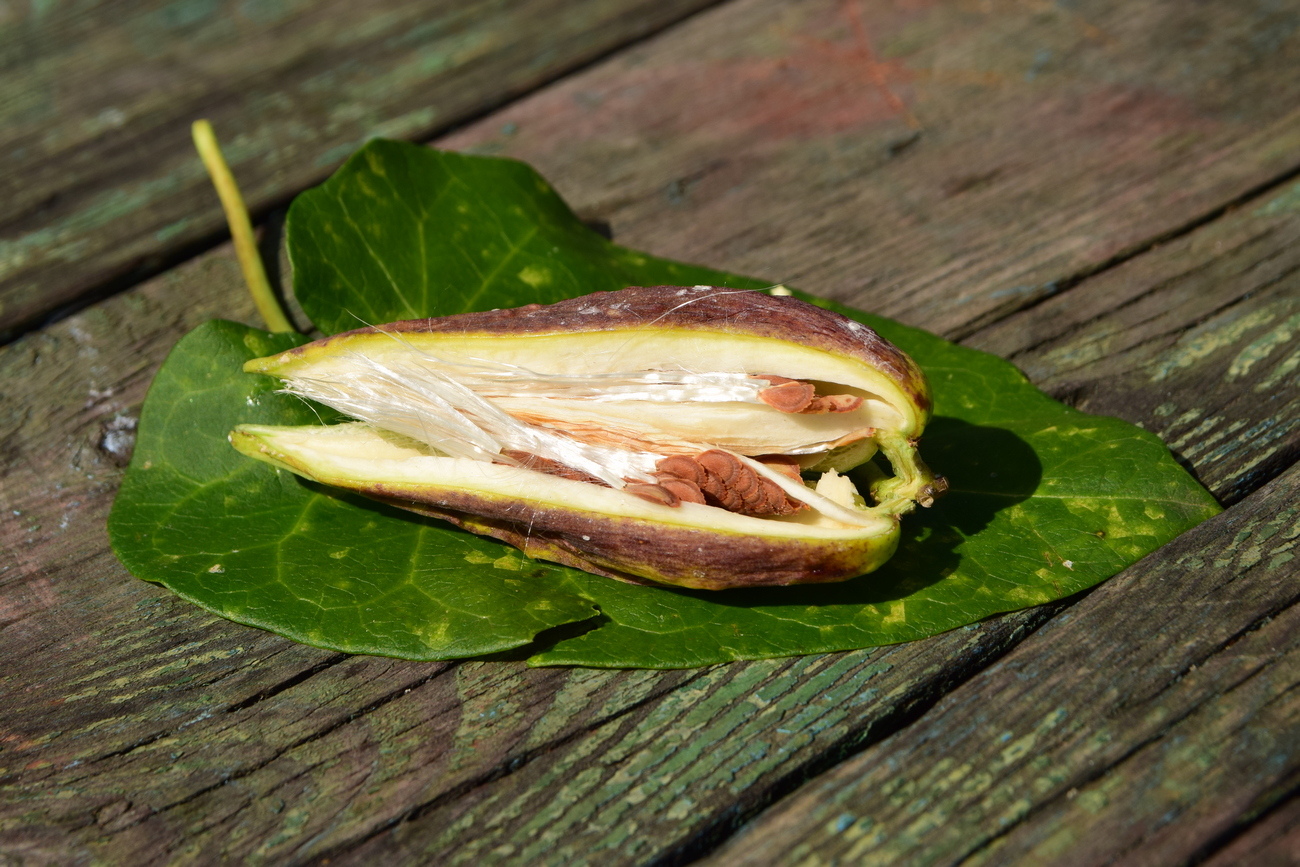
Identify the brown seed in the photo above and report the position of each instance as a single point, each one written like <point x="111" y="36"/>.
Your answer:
<point x="738" y="488"/>
<point x="719" y="478"/>
<point x="775" y="502"/>
<point x="550" y="467"/>
<point x="653" y="493"/>
<point x="684" y="489"/>
<point x="682" y="467"/>
<point x="795" y="395"/>
<point x="792" y="396"/>
<point x="831" y="403"/>
<point x="721" y="465"/>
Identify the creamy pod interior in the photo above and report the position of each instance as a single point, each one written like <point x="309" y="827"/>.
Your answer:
<point x="692" y="436"/>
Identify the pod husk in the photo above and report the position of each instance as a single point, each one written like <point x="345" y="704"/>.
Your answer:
<point x="598" y="529"/>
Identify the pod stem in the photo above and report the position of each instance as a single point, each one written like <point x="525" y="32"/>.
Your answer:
<point x="913" y="483"/>
<point x="241" y="228"/>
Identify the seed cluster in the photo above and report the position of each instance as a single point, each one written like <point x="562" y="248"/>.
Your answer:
<point x="715" y="477"/>
<point x="718" y="478"/>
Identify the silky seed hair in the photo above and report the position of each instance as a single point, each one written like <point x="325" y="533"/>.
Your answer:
<point x="418" y="401"/>
<point x="448" y="406"/>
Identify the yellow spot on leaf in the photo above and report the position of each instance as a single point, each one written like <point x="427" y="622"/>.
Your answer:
<point x="535" y="276"/>
<point x="897" y="615"/>
<point x="509" y="562"/>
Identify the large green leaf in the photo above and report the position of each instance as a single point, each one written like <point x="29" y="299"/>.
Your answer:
<point x="260" y="547"/>
<point x="403" y="232"/>
<point x="1046" y="501"/>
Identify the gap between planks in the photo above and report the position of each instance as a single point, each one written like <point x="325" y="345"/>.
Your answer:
<point x="715" y="835"/>
<point x="162" y="261"/>
<point x="1270" y="500"/>
<point x="1070" y="281"/>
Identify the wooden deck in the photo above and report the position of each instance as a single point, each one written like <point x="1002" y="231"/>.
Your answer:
<point x="1105" y="192"/>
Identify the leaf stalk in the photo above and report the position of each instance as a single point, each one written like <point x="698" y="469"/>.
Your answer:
<point x="241" y="228"/>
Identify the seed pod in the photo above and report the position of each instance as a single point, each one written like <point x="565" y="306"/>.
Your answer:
<point x="650" y="435"/>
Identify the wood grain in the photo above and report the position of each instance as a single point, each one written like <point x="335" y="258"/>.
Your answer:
<point x="1270" y="840"/>
<point x="164" y="733"/>
<point x="681" y="806"/>
<point x="939" y="163"/>
<point x="99" y="178"/>
<point x="151" y="731"/>
<point x="1214" y="314"/>
<point x="1135" y="730"/>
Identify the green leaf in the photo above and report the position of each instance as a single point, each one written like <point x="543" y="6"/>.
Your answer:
<point x="404" y="232"/>
<point x="258" y="546"/>
<point x="1046" y="501"/>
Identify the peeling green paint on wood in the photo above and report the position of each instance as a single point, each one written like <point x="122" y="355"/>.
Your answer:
<point x="1213" y="315"/>
<point x="100" y="181"/>
<point x="148" y="730"/>
<point x="1174" y="723"/>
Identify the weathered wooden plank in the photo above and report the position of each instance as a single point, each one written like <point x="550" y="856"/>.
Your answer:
<point x="1137" y="729"/>
<point x="99" y="180"/>
<point x="1272" y="841"/>
<point x="138" y="704"/>
<point x="942" y="163"/>
<point x="1123" y="345"/>
<point x="394" y="770"/>
<point x="632" y="790"/>
<point x="584" y="798"/>
<point x="355" y="756"/>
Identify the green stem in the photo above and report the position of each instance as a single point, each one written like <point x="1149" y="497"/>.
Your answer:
<point x="913" y="482"/>
<point x="241" y="229"/>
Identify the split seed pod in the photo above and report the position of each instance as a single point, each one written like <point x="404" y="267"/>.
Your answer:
<point x="656" y="434"/>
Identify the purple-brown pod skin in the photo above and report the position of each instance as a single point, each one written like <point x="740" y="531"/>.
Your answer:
<point x="696" y="308"/>
<point x="638" y="549"/>
<point x="661" y="554"/>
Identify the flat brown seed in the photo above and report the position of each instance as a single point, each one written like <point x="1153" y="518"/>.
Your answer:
<point x="775" y="502"/>
<point x="720" y="465"/>
<point x="790" y="396"/>
<point x="738" y="488"/>
<point x="653" y="493"/>
<point x="683" y="468"/>
<point x="831" y="403"/>
<point x="684" y="489"/>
